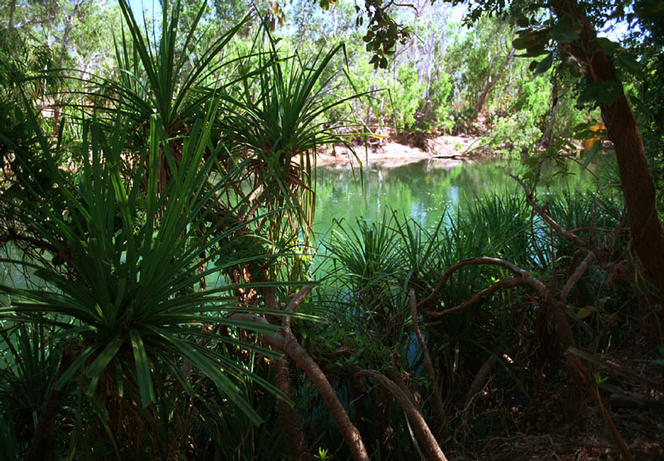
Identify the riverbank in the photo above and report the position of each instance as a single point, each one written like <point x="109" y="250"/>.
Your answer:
<point x="442" y="152"/>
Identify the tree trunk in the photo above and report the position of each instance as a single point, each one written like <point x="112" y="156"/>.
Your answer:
<point x="437" y="398"/>
<point x="289" y="345"/>
<point x="12" y="12"/>
<point x="288" y="417"/>
<point x="57" y="104"/>
<point x="285" y="342"/>
<point x="547" y="136"/>
<point x="637" y="185"/>
<point x="492" y="83"/>
<point x="43" y="439"/>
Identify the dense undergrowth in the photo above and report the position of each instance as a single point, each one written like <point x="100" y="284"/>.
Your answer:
<point x="161" y="297"/>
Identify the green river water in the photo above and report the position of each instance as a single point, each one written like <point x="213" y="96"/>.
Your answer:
<point x="417" y="190"/>
<point x="423" y="192"/>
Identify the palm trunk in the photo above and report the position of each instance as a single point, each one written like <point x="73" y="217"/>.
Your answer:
<point x="425" y="439"/>
<point x="288" y="417"/>
<point x="285" y="342"/>
<point x="289" y="346"/>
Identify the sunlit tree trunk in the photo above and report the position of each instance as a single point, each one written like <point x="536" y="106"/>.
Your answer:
<point x="547" y="136"/>
<point x="491" y="83"/>
<point x="57" y="104"/>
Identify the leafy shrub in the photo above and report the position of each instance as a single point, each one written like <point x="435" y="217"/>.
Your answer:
<point x="441" y="91"/>
<point x="405" y="98"/>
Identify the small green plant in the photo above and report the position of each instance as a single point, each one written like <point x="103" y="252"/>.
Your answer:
<point x="599" y="379"/>
<point x="323" y="454"/>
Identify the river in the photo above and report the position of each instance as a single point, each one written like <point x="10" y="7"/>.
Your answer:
<point x="423" y="192"/>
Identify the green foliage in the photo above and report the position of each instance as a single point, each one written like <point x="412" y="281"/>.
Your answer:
<point x="19" y="59"/>
<point x="124" y="260"/>
<point x="28" y="368"/>
<point x="518" y="133"/>
<point x="513" y="137"/>
<point x="405" y="98"/>
<point x="156" y="74"/>
<point x="282" y="122"/>
<point x="123" y="265"/>
<point x="441" y="98"/>
<point x="192" y="164"/>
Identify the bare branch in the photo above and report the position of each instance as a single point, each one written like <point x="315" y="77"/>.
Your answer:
<point x="546" y="217"/>
<point x="13" y="236"/>
<point x="504" y="283"/>
<point x="294" y="303"/>
<point x="299" y="297"/>
<point x="531" y="280"/>
<point x="478" y="381"/>
<point x="576" y="276"/>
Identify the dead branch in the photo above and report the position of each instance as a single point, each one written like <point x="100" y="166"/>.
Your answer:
<point x="478" y="381"/>
<point x="499" y="285"/>
<point x="576" y="275"/>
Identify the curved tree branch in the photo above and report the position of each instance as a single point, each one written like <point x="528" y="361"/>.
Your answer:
<point x="499" y="285"/>
<point x="285" y="342"/>
<point x="528" y="278"/>
<point x="425" y="438"/>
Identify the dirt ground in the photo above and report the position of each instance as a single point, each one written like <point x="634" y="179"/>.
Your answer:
<point x="559" y="424"/>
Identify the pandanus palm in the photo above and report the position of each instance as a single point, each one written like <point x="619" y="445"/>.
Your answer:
<point x="158" y="73"/>
<point x="125" y="305"/>
<point x="279" y="118"/>
<point x="167" y="69"/>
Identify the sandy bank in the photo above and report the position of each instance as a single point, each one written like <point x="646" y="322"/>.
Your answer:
<point x="443" y="152"/>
